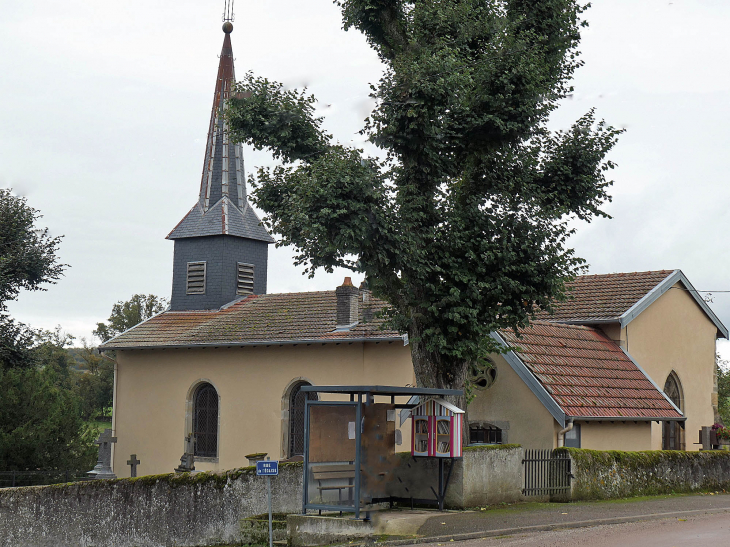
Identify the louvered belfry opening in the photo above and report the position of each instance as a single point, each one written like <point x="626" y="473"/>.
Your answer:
<point x="244" y="281"/>
<point x="196" y="278"/>
<point x="205" y="421"/>
<point x="296" y="418"/>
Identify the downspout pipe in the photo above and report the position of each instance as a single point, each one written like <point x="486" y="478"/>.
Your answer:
<point x="114" y="409"/>
<point x="562" y="432"/>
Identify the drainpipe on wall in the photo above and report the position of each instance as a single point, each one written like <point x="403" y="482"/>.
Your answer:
<point x="114" y="409"/>
<point x="562" y="432"/>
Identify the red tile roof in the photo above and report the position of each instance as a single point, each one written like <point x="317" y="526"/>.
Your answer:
<point x="268" y="318"/>
<point x="604" y="297"/>
<point x="587" y="374"/>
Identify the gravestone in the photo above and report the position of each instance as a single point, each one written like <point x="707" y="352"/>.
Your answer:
<point x="187" y="460"/>
<point x="133" y="462"/>
<point x="103" y="468"/>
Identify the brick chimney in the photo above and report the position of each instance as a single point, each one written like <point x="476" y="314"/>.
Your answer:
<point x="347" y="296"/>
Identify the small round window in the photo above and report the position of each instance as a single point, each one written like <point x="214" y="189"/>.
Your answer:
<point x="483" y="374"/>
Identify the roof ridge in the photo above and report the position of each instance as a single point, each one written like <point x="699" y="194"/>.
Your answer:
<point x="554" y="324"/>
<point x="618" y="274"/>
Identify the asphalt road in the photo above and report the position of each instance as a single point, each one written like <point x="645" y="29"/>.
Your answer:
<point x="459" y="524"/>
<point x="698" y="530"/>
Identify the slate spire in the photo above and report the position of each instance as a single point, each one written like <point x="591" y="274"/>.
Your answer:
<point x="221" y="249"/>
<point x="222" y="207"/>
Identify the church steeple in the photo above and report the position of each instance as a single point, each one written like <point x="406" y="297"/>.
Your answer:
<point x="230" y="183"/>
<point x="221" y="248"/>
<point x="222" y="206"/>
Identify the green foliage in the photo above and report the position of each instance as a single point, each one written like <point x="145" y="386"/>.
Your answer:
<point x="95" y="388"/>
<point x="723" y="389"/>
<point x="16" y="339"/>
<point x="51" y="354"/>
<point x="27" y="252"/>
<point x="461" y="225"/>
<point x="40" y="423"/>
<point x="281" y="120"/>
<point x="127" y="314"/>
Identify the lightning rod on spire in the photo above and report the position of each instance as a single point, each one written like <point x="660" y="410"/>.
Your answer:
<point x="228" y="15"/>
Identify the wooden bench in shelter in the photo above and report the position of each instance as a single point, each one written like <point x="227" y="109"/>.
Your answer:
<point x="336" y="477"/>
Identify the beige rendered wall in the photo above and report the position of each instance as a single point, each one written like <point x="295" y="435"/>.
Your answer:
<point x="628" y="436"/>
<point x="674" y="334"/>
<point x="510" y="405"/>
<point x="153" y="387"/>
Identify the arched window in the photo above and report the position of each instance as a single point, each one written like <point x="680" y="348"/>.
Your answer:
<point x="671" y="431"/>
<point x="296" y="417"/>
<point x="205" y="421"/>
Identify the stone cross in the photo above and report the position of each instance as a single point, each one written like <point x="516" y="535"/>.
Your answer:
<point x="133" y="462"/>
<point x="187" y="461"/>
<point x="103" y="468"/>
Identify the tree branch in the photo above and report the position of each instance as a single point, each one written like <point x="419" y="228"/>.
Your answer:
<point x="382" y="21"/>
<point x="265" y="115"/>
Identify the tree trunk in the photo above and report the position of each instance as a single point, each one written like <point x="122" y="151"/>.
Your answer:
<point x="433" y="371"/>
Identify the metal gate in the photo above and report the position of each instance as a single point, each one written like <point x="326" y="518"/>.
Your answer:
<point x="546" y="472"/>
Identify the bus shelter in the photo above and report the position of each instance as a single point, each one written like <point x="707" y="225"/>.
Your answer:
<point x="350" y="440"/>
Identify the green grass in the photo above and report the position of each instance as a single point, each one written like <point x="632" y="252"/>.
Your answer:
<point x="99" y="426"/>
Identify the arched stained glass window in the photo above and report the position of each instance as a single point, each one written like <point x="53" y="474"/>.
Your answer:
<point x="671" y="431"/>
<point x="672" y="390"/>
<point x="205" y="421"/>
<point x="296" y="418"/>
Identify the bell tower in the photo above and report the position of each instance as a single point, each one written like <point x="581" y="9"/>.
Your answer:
<point x="221" y="248"/>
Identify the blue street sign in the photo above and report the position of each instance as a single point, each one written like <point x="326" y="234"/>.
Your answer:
<point x="267" y="468"/>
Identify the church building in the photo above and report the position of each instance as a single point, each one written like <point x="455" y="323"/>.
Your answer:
<point x="220" y="371"/>
<point x="627" y="364"/>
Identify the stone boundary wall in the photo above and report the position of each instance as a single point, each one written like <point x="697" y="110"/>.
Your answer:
<point x="208" y="508"/>
<point x="486" y="474"/>
<point x="493" y="474"/>
<point x="156" y="510"/>
<point x="614" y="474"/>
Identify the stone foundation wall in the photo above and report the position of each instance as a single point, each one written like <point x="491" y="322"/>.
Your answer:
<point x="157" y="510"/>
<point x="615" y="474"/>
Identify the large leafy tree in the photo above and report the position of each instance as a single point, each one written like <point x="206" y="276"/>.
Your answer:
<point x="127" y="314"/>
<point x="461" y="223"/>
<point x="27" y="261"/>
<point x="40" y="419"/>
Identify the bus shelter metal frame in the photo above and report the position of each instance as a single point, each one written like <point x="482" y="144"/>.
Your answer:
<point x="369" y="393"/>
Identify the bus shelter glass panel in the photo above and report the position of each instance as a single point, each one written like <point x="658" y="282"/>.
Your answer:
<point x="331" y="456"/>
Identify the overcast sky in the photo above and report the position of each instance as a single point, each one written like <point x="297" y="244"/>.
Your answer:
<point x="104" y="108"/>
